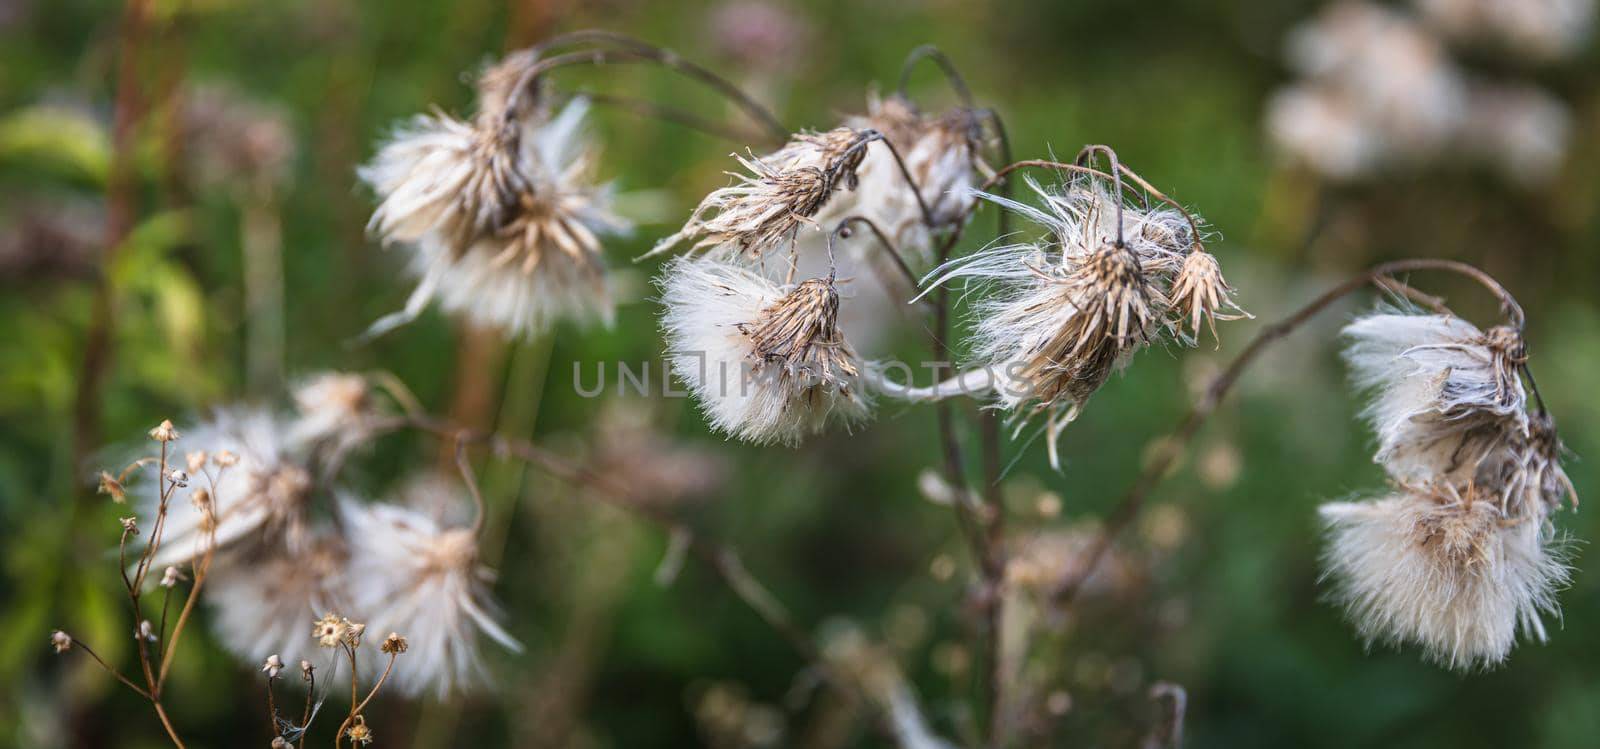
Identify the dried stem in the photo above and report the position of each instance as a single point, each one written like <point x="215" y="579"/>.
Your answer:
<point x="843" y="231"/>
<point x="674" y="115"/>
<point x="1171" y="447"/>
<point x="631" y="50"/>
<point x="76" y="643"/>
<point x="937" y="56"/>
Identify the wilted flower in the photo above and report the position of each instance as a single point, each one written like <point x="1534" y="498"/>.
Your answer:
<point x="766" y="363"/>
<point x="1199" y="292"/>
<point x="263" y="498"/>
<point x="1445" y="394"/>
<point x="408" y="573"/>
<point x="765" y="210"/>
<point x="1443" y="569"/>
<point x="1063" y="312"/>
<point x="502" y="214"/>
<point x="130" y="525"/>
<point x="358" y="732"/>
<point x="394" y="644"/>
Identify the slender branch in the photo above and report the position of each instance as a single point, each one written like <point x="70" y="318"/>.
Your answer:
<point x="172" y="733"/>
<point x="922" y="205"/>
<point x="674" y="115"/>
<point x="637" y="51"/>
<point x="1172" y="447"/>
<point x="938" y="57"/>
<point x="76" y="643"/>
<point x="842" y="231"/>
<point x="379" y="684"/>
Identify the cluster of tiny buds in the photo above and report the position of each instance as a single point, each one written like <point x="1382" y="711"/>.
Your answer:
<point x="273" y="666"/>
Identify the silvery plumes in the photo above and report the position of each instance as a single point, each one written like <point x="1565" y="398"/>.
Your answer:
<point x="942" y="157"/>
<point x="1444" y="570"/>
<point x="767" y="363"/>
<point x="1445" y="395"/>
<point x="409" y="573"/>
<point x="1061" y="313"/>
<point x="262" y="598"/>
<point x="261" y="500"/>
<point x="502" y="216"/>
<point x="1540" y="30"/>
<point x="765" y="209"/>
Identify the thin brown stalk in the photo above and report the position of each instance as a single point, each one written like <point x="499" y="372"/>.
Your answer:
<point x="76" y="643"/>
<point x="1171" y="448"/>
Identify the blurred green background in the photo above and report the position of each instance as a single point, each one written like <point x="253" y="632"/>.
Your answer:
<point x="252" y="120"/>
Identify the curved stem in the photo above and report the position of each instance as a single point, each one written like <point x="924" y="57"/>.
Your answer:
<point x="938" y="57"/>
<point x="468" y="478"/>
<point x="1086" y="156"/>
<point x="674" y="115"/>
<point x="379" y="685"/>
<point x="1171" y="447"/>
<point x="842" y="231"/>
<point x="637" y="51"/>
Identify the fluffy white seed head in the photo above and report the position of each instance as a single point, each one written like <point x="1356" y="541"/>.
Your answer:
<point x="1444" y="570"/>
<point x="261" y="599"/>
<point x="767" y="363"/>
<point x="409" y="573"/>
<point x="1445" y="395"/>
<point x="1539" y="30"/>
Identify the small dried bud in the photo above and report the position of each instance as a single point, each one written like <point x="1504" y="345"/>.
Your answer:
<point x="171" y="577"/>
<point x="61" y="641"/>
<point x="394" y="644"/>
<point x="330" y="630"/>
<point x="1200" y="292"/>
<point x="164" y="432"/>
<point x="225" y="458"/>
<point x="178" y="477"/>
<point x="353" y="633"/>
<point x="201" y="500"/>
<point x="145" y="631"/>
<point x="359" y="733"/>
<point x="195" y="461"/>
<point x="130" y="525"/>
<point x="273" y="666"/>
<point x="307" y="671"/>
<point x="110" y="485"/>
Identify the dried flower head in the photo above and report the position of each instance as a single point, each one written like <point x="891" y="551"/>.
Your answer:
<point x="1444" y="569"/>
<point x="146" y="631"/>
<point x="164" y="432"/>
<point x="273" y="666"/>
<point x="61" y="641"/>
<point x="225" y="459"/>
<point x="279" y="742"/>
<point x="766" y="363"/>
<point x="109" y="485"/>
<point x="263" y="498"/>
<point x="178" y="477"/>
<point x="1200" y="293"/>
<point x="331" y="630"/>
<point x="394" y="644"/>
<point x="335" y="411"/>
<point x="358" y="732"/>
<point x="1061" y="313"/>
<point x="1445" y="395"/>
<point x="764" y="211"/>
<point x="195" y="461"/>
<point x="502" y="215"/>
<point x="130" y="525"/>
<point x="1538" y="30"/>
<point x="411" y="574"/>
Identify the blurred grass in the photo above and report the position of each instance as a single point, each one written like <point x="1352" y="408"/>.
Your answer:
<point x="837" y="528"/>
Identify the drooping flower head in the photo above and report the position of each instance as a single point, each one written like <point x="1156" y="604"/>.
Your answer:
<point x="1061" y="313"/>
<point x="767" y="363"/>
<point x="410" y="573"/>
<point x="765" y="209"/>
<point x="502" y="215"/>
<point x="1463" y="555"/>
